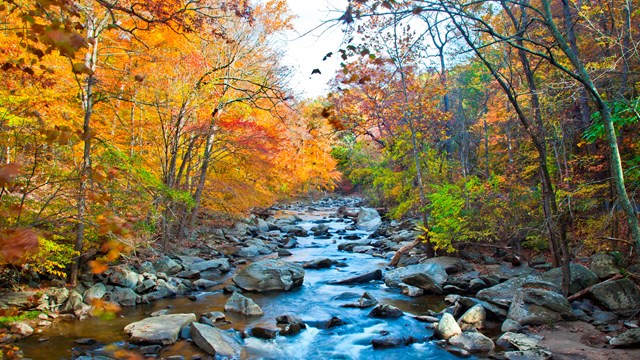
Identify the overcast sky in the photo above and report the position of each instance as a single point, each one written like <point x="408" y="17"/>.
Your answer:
<point x="305" y="52"/>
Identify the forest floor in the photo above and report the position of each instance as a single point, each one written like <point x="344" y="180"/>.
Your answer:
<point x="580" y="340"/>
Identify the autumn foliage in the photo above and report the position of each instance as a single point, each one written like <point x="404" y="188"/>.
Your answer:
<point x="122" y="123"/>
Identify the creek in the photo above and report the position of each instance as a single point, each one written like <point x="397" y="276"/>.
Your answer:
<point x="315" y="302"/>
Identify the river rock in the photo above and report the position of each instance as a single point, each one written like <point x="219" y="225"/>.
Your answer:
<point x="122" y="276"/>
<point x="533" y="306"/>
<point x="385" y="311"/>
<point x="167" y="265"/>
<point x="318" y="264"/>
<point x="509" y="325"/>
<point x="436" y="272"/>
<point x="518" y="341"/>
<point x="96" y="292"/>
<point x="365" y="301"/>
<point x="473" y="318"/>
<point x="581" y="277"/>
<point x="21" y="329"/>
<point x="629" y="338"/>
<point x="424" y="282"/>
<point x="410" y="291"/>
<point x="243" y="305"/>
<point x="215" y="341"/>
<point x="268" y="275"/>
<point x="360" y="279"/>
<point x="368" y="219"/>
<point x="290" y="324"/>
<point x="620" y="296"/>
<point x="472" y="341"/>
<point x="533" y="354"/>
<point x="264" y="332"/>
<point x="604" y="266"/>
<point x="162" y="330"/>
<point x="450" y="264"/>
<point x="502" y="294"/>
<point x="73" y="304"/>
<point x="386" y="342"/>
<point x="447" y="327"/>
<point x="124" y="296"/>
<point x="221" y="264"/>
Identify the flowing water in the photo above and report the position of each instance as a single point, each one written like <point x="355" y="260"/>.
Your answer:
<point x="316" y="301"/>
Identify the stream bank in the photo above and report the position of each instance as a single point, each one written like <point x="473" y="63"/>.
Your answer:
<point x="343" y="251"/>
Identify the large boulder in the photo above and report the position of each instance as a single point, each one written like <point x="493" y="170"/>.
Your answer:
<point x="533" y="306"/>
<point x="522" y="342"/>
<point x="450" y="264"/>
<point x="424" y="282"/>
<point x="96" y="292"/>
<point x="502" y="294"/>
<point x="215" y="341"/>
<point x="167" y="265"/>
<point x="124" y="296"/>
<point x="473" y="318"/>
<point x="603" y="265"/>
<point x="620" y="296"/>
<point x="368" y="219"/>
<point x="162" y="330"/>
<point x="122" y="276"/>
<point x="473" y="342"/>
<point x="269" y="275"/>
<point x="447" y="327"/>
<point x="436" y="272"/>
<point x="243" y="305"/>
<point x="581" y="277"/>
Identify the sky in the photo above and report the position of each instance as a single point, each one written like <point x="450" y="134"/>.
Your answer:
<point x="306" y="51"/>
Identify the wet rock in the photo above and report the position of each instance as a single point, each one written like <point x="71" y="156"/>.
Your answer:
<point x="167" y="265"/>
<point x="96" y="292"/>
<point x="291" y="323"/>
<point x="215" y="316"/>
<point x="476" y="285"/>
<point x="215" y="341"/>
<point x="365" y="301"/>
<point x="447" y="327"/>
<point x="284" y="253"/>
<point x="473" y="318"/>
<point x="620" y="296"/>
<point x="517" y="341"/>
<point x="386" y="311"/>
<point x="581" y="277"/>
<point x="243" y="305"/>
<point x="436" y="272"/>
<point x="263" y="332"/>
<point x="424" y="282"/>
<point x="21" y="329"/>
<point x="472" y="341"/>
<point x="294" y="231"/>
<point x="386" y="342"/>
<point x="150" y="349"/>
<point x="604" y="266"/>
<point x="411" y="291"/>
<point x="268" y="275"/>
<point x="360" y="279"/>
<point x="368" y="219"/>
<point x="318" y="264"/>
<point x="334" y="322"/>
<point x="290" y="243"/>
<point x="629" y="338"/>
<point x="162" y="330"/>
<point x="533" y="306"/>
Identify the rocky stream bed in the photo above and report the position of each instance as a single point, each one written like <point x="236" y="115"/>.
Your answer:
<point x="309" y="281"/>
